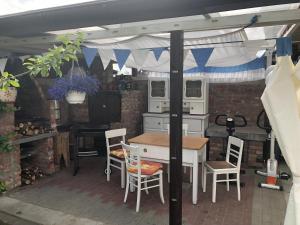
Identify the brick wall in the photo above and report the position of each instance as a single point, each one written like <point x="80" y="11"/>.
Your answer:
<point x="240" y="98"/>
<point x="231" y="99"/>
<point x="44" y="155"/>
<point x="133" y="106"/>
<point x="10" y="169"/>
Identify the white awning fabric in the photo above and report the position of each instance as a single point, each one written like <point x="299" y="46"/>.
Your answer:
<point x="281" y="100"/>
<point x="229" y="49"/>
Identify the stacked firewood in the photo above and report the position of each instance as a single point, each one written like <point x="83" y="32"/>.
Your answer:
<point x="30" y="175"/>
<point x="28" y="129"/>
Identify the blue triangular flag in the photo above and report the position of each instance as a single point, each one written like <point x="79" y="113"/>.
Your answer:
<point x="201" y="55"/>
<point x="157" y="52"/>
<point x="121" y="56"/>
<point x="284" y="46"/>
<point x="89" y="55"/>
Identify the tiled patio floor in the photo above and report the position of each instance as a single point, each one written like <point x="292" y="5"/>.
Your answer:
<point x="88" y="195"/>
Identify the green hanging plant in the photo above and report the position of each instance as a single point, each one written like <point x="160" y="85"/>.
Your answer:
<point x="54" y="58"/>
<point x="5" y="143"/>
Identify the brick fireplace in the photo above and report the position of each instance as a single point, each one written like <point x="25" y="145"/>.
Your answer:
<point x="32" y="104"/>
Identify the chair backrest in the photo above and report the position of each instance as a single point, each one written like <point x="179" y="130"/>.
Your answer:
<point x="185" y="128"/>
<point x="234" y="151"/>
<point x="116" y="133"/>
<point x="132" y="156"/>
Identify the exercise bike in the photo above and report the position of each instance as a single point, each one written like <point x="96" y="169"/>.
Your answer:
<point x="272" y="164"/>
<point x="230" y="123"/>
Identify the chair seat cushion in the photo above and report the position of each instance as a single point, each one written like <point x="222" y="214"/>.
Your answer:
<point x="118" y="153"/>
<point x="219" y="165"/>
<point x="147" y="168"/>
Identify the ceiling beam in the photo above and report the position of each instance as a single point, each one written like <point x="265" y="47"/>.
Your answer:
<point x="107" y="12"/>
<point x="161" y="26"/>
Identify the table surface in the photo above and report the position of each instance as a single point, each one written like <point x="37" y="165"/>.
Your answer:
<point x="162" y="139"/>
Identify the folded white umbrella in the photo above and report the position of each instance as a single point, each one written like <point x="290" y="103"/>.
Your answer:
<point x="281" y="100"/>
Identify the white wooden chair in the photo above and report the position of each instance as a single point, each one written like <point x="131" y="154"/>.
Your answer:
<point x="229" y="166"/>
<point x="115" y="153"/>
<point x="185" y="128"/>
<point x="140" y="172"/>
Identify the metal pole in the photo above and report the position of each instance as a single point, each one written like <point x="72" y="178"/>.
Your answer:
<point x="176" y="83"/>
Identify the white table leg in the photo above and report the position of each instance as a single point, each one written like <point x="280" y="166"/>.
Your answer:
<point x="195" y="177"/>
<point x="202" y="164"/>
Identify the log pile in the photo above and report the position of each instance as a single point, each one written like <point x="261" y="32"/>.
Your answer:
<point x="29" y="129"/>
<point x="30" y="175"/>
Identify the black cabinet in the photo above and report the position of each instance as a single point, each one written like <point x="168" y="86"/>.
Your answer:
<point x="105" y="107"/>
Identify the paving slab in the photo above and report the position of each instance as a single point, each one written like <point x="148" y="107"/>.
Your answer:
<point x="40" y="215"/>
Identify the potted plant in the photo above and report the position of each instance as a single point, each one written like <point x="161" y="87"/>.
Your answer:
<point x="2" y="187"/>
<point x="8" y="91"/>
<point x="74" y="88"/>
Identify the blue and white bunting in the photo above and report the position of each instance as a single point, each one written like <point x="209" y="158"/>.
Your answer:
<point x="23" y="57"/>
<point x="3" y="62"/>
<point x="140" y="56"/>
<point x="202" y="55"/>
<point x="89" y="55"/>
<point x="121" y="56"/>
<point x="106" y="56"/>
<point x="157" y="52"/>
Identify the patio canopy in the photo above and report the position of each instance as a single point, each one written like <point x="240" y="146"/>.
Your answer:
<point x="234" y="54"/>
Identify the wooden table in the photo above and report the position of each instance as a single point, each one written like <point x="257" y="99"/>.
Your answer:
<point x="155" y="147"/>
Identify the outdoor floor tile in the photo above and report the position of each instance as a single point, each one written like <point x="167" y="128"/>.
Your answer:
<point x="89" y="195"/>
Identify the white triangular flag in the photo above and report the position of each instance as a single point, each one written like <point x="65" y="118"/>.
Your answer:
<point x="185" y="53"/>
<point x="23" y="57"/>
<point x="2" y="64"/>
<point x="140" y="56"/>
<point x="106" y="55"/>
<point x="189" y="60"/>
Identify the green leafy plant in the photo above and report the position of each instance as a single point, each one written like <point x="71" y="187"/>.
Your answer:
<point x="9" y="80"/>
<point x="2" y="187"/>
<point x="5" y="143"/>
<point x="42" y="64"/>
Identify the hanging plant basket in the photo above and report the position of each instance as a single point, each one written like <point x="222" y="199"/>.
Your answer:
<point x="9" y="95"/>
<point x="75" y="97"/>
<point x="74" y="86"/>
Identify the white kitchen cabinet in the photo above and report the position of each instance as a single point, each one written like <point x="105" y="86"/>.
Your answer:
<point x="158" y="95"/>
<point x="195" y="95"/>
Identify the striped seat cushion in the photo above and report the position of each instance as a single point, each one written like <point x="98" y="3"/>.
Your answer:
<point x="118" y="153"/>
<point x="147" y="168"/>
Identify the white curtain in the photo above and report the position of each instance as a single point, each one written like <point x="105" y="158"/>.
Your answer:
<point x="281" y="100"/>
